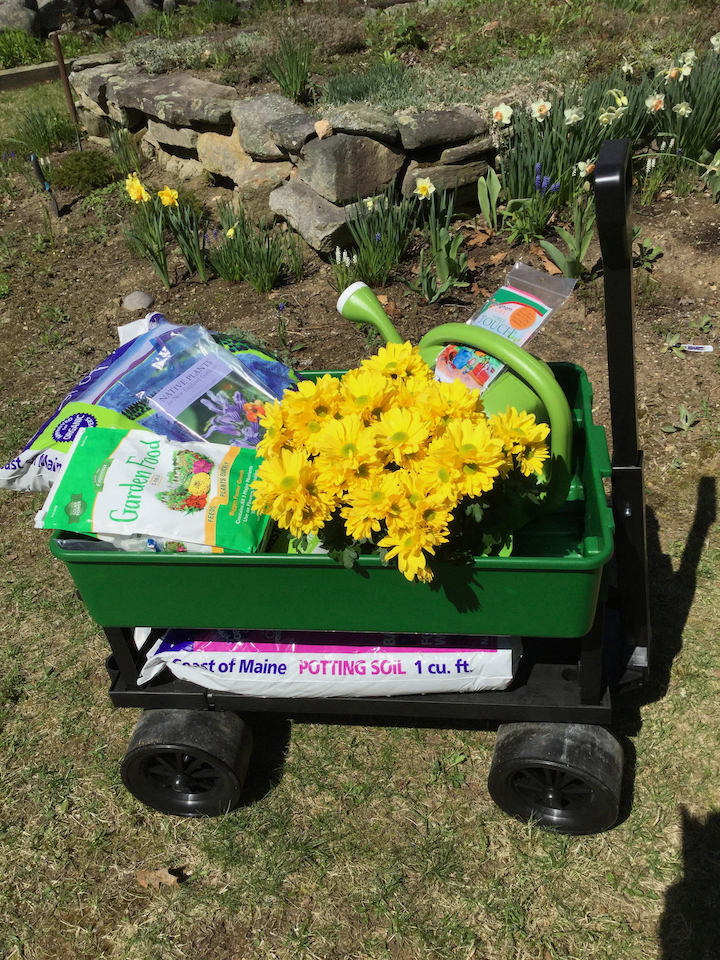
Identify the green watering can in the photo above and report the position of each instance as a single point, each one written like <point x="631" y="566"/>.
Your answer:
<point x="527" y="385"/>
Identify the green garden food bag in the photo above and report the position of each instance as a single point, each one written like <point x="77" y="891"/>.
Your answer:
<point x="120" y="483"/>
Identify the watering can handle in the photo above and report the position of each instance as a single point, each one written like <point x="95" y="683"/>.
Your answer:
<point x="535" y="374"/>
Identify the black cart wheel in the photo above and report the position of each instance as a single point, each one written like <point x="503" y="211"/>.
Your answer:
<point x="189" y="763"/>
<point x="561" y="775"/>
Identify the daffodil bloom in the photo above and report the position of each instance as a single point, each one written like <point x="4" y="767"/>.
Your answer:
<point x="502" y="113"/>
<point x="689" y="57"/>
<point x="620" y="112"/>
<point x="230" y="233"/>
<point x="370" y="204"/>
<point x="655" y="102"/>
<point x="168" y="197"/>
<point x="574" y="115"/>
<point x="620" y="99"/>
<point x="424" y="188"/>
<point x="685" y="71"/>
<point x="682" y="109"/>
<point x="715" y="42"/>
<point x="672" y="74"/>
<point x="586" y="167"/>
<point x="627" y="67"/>
<point x="135" y="189"/>
<point x="607" y="116"/>
<point x="540" y="110"/>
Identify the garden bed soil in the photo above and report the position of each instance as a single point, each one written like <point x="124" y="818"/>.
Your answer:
<point x="64" y="282"/>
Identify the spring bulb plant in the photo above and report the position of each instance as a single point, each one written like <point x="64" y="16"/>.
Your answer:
<point x="387" y="460"/>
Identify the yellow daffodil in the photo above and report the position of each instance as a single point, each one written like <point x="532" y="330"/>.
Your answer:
<point x="136" y="190"/>
<point x="168" y="197"/>
<point x="424" y="188"/>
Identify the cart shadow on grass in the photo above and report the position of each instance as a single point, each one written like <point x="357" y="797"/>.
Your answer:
<point x="687" y="926"/>
<point x="672" y="592"/>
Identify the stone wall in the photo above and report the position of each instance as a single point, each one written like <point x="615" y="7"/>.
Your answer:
<point x="281" y="159"/>
<point x="43" y="16"/>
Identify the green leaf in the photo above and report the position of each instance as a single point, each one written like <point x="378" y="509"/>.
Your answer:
<point x="556" y="257"/>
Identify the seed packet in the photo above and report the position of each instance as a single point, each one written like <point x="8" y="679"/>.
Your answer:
<point x="122" y="483"/>
<point x="300" y="664"/>
<point x="516" y="311"/>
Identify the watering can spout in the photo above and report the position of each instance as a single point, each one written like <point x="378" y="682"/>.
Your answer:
<point x="359" y="304"/>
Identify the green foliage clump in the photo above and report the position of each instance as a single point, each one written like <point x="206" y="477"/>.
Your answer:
<point x="388" y="84"/>
<point x="84" y="172"/>
<point x="19" y="49"/>
<point x="42" y="131"/>
<point x="290" y="66"/>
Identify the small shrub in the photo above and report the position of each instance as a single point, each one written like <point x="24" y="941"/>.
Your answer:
<point x="84" y="172"/>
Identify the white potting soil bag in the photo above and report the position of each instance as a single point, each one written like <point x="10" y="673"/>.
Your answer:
<point x="285" y="665"/>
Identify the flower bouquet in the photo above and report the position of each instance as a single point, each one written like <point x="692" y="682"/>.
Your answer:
<point x="387" y="460"/>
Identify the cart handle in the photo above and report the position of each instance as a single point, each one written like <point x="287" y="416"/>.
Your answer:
<point x="359" y="304"/>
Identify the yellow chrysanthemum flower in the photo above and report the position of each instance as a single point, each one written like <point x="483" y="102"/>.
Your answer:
<point x="400" y="433"/>
<point x="276" y="433"/>
<point x="366" y="505"/>
<point x="135" y="189"/>
<point x="443" y="402"/>
<point x="168" y="197"/>
<point x="532" y="459"/>
<point x="409" y="547"/>
<point x="471" y="448"/>
<point x="287" y="489"/>
<point x="517" y="429"/>
<point x="310" y="408"/>
<point x="344" y="446"/>
<point x="366" y="393"/>
<point x="398" y="360"/>
<point x="441" y="476"/>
